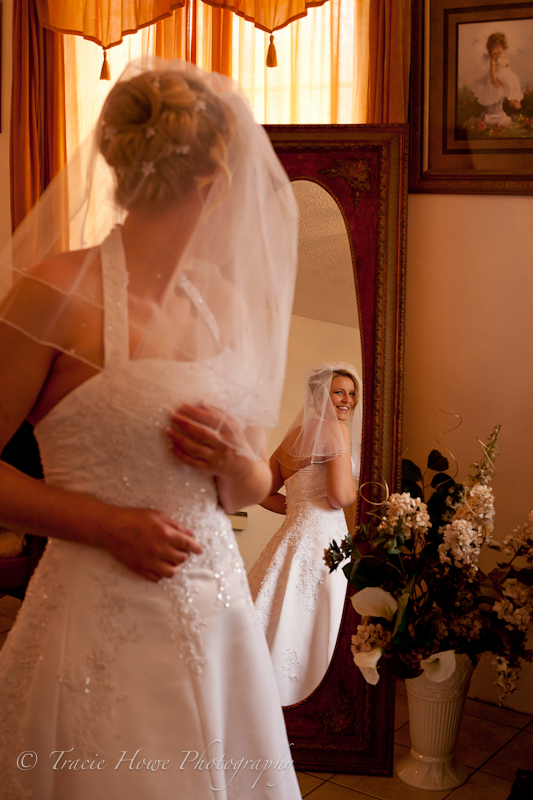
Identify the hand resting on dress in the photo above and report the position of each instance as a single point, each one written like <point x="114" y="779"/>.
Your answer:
<point x="149" y="542"/>
<point x="208" y="439"/>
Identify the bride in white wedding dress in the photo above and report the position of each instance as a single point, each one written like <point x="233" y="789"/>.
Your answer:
<point x="299" y="603"/>
<point x="148" y="362"/>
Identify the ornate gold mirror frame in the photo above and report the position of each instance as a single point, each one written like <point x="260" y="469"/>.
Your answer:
<point x="346" y="725"/>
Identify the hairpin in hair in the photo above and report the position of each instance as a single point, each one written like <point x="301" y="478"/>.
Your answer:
<point x="109" y="132"/>
<point x="150" y="132"/>
<point x="147" y="168"/>
<point x="155" y="82"/>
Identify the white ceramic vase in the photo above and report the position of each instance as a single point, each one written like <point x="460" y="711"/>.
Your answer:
<point x="435" y="711"/>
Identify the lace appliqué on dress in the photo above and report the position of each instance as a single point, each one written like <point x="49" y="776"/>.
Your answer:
<point x="291" y="665"/>
<point x="24" y="648"/>
<point x="92" y="684"/>
<point x="296" y="540"/>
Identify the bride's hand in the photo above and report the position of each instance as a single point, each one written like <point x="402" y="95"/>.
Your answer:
<point x="210" y="440"/>
<point x="150" y="543"/>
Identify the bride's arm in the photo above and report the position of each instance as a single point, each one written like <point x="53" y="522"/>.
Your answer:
<point x="145" y="541"/>
<point x="242" y="477"/>
<point x="340" y="484"/>
<point x="275" y="501"/>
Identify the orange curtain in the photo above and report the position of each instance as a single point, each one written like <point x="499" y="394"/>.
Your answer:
<point x="221" y="40"/>
<point x="38" y="131"/>
<point x="388" y="79"/>
<point x="104" y="22"/>
<point x="267" y="15"/>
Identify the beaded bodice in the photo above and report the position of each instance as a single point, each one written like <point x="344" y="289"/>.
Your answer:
<point x="107" y="439"/>
<point x="308" y="485"/>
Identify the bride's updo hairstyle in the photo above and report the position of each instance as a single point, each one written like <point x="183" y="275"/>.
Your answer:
<point x="163" y="133"/>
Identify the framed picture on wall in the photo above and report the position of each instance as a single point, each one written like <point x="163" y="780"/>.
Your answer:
<point x="471" y="109"/>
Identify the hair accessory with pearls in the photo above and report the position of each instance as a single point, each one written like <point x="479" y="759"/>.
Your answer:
<point x="110" y="132"/>
<point x="147" y="168"/>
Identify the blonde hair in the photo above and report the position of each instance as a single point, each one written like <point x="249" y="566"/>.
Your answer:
<point x="163" y="133"/>
<point x="497" y="38"/>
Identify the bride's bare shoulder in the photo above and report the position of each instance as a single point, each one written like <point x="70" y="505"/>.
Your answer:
<point x="64" y="269"/>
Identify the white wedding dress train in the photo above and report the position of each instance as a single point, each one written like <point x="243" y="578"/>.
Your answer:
<point x="300" y="603"/>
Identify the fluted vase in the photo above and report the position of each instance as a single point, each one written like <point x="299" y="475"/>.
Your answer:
<point x="435" y="712"/>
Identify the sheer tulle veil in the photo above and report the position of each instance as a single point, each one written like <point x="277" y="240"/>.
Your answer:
<point x="315" y="435"/>
<point x="237" y="268"/>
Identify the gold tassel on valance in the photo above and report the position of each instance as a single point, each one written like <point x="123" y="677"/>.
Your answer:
<point x="105" y="74"/>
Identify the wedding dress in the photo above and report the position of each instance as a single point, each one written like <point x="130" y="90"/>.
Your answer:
<point x="300" y="604"/>
<point x="112" y="686"/>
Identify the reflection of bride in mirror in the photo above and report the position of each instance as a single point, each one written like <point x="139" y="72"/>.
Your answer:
<point x="299" y="603"/>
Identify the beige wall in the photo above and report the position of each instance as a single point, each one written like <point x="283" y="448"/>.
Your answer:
<point x="469" y="349"/>
<point x="5" y="214"/>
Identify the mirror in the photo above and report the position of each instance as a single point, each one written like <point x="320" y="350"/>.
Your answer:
<point x="324" y="328"/>
<point x="346" y="725"/>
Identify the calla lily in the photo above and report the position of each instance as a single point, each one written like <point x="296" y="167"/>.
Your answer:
<point x="375" y="602"/>
<point x="440" y="666"/>
<point x="367" y="663"/>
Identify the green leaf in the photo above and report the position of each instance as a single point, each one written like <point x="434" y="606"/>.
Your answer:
<point x="413" y="488"/>
<point x="487" y="590"/>
<point x="351" y="568"/>
<point x="437" y="462"/>
<point x="441" y="478"/>
<point x="524" y="575"/>
<point x="498" y="576"/>
<point x="400" y="622"/>
<point x="410" y="471"/>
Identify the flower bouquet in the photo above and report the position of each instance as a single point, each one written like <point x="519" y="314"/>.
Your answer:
<point x="421" y="595"/>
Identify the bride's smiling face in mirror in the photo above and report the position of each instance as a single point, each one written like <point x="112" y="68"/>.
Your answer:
<point x="343" y="396"/>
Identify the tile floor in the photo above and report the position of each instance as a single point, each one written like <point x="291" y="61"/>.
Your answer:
<point x="493" y="743"/>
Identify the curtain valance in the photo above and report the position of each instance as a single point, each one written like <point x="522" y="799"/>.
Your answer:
<point x="104" y="22"/>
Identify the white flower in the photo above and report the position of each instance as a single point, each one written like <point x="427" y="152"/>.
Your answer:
<point x="478" y="507"/>
<point x="150" y="132"/>
<point x="182" y="149"/>
<point x="440" y="666"/>
<point x="522" y="536"/>
<point x="516" y="607"/>
<point x="375" y="602"/>
<point x="367" y="663"/>
<point x="461" y="541"/>
<point x="412" y="510"/>
<point x="200" y="105"/>
<point x="507" y="676"/>
<point x="369" y="636"/>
